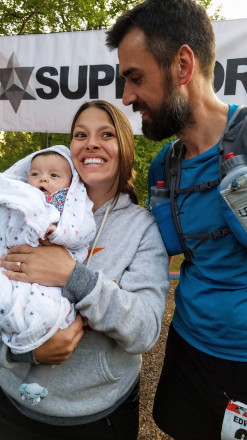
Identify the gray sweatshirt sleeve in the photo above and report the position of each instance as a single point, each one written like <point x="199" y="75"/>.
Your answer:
<point x="129" y="310"/>
<point x="28" y="357"/>
<point x="5" y="359"/>
<point x="9" y="359"/>
<point x="80" y="283"/>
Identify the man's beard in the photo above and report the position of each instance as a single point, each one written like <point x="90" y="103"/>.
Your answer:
<point x="174" y="115"/>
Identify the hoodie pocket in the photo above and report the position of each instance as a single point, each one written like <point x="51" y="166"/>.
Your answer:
<point x="90" y="369"/>
<point x="105" y="370"/>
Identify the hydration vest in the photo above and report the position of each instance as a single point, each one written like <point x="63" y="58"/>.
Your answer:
<point x="234" y="139"/>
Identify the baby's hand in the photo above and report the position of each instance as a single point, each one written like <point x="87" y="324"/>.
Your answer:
<point x="51" y="229"/>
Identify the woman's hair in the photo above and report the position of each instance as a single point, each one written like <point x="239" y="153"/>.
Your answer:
<point x="125" y="139"/>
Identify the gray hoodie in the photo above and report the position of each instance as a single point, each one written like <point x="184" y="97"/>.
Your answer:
<point x="123" y="308"/>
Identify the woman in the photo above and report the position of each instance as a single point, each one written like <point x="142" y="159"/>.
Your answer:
<point x="120" y="293"/>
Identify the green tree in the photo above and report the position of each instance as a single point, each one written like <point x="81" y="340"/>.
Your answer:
<point x="214" y="12"/>
<point x="43" y="16"/>
<point x="145" y="151"/>
<point x="16" y="145"/>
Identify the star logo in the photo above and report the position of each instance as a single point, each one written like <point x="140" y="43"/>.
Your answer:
<point x="14" y="83"/>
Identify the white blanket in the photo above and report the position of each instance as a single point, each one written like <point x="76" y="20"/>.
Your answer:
<point x="29" y="313"/>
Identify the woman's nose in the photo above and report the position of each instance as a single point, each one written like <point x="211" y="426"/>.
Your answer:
<point x="92" y="147"/>
<point x="92" y="142"/>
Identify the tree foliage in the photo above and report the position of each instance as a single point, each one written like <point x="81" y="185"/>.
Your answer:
<point x="145" y="151"/>
<point x="41" y="16"/>
<point x="16" y="145"/>
<point x="213" y="12"/>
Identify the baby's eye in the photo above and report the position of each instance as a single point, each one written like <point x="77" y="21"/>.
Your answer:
<point x="54" y="175"/>
<point x="34" y="174"/>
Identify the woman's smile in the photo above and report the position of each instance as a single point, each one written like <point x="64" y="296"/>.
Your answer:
<point x="93" y="161"/>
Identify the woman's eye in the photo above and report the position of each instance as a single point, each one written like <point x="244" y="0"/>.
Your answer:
<point x="107" y="135"/>
<point x="79" y="135"/>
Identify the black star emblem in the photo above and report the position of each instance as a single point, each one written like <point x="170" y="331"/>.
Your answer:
<point x="14" y="83"/>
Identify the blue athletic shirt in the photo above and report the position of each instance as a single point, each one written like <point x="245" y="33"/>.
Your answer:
<point x="211" y="297"/>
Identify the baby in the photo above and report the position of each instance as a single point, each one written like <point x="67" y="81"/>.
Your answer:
<point x="41" y="197"/>
<point x="51" y="174"/>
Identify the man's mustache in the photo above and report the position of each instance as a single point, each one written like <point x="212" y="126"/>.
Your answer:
<point x="140" y="107"/>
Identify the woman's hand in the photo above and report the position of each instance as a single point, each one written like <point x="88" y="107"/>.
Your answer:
<point x="49" y="265"/>
<point x="61" y="345"/>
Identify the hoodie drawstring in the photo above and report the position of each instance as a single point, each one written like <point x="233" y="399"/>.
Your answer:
<point x="99" y="232"/>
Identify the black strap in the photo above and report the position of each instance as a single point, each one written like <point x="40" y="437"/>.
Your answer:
<point x="214" y="235"/>
<point x="174" y="155"/>
<point x="203" y="186"/>
<point x="174" y="184"/>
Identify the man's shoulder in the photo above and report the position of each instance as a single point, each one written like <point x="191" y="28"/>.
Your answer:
<point x="161" y="156"/>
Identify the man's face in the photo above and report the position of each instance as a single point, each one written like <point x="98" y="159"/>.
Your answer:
<point x="150" y="90"/>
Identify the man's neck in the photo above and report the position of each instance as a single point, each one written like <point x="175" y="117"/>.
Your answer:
<point x="210" y="119"/>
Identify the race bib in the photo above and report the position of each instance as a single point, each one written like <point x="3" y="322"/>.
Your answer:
<point x="235" y="421"/>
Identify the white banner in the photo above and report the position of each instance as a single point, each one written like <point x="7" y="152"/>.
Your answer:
<point x="45" y="78"/>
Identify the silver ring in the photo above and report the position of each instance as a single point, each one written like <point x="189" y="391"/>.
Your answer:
<point x="19" y="265"/>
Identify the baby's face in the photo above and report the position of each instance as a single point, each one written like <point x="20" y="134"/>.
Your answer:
<point x="49" y="173"/>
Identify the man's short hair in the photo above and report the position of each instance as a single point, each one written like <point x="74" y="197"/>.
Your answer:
<point x="167" y="25"/>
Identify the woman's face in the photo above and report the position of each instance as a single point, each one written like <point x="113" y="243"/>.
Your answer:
<point x="95" y="152"/>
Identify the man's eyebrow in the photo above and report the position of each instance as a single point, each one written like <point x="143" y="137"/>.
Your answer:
<point x="128" y="72"/>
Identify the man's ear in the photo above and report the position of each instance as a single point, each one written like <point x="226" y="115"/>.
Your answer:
<point x="184" y="64"/>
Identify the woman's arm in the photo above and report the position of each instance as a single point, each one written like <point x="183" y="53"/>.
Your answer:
<point x="61" y="345"/>
<point x="54" y="351"/>
<point x="49" y="265"/>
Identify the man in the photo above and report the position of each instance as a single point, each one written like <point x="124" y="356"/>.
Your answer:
<point x="166" y="52"/>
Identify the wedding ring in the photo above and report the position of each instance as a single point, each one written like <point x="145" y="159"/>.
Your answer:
<point x="19" y="265"/>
